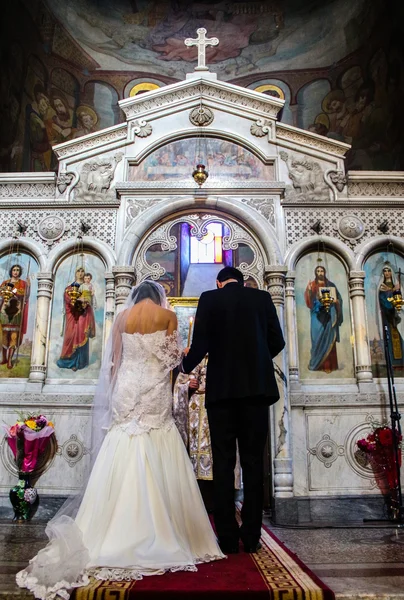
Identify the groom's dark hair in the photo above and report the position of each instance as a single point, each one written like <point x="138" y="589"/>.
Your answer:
<point x="230" y="273"/>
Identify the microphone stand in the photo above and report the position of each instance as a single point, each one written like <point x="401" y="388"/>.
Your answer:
<point x="397" y="501"/>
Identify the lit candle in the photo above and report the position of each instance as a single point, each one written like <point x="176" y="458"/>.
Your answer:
<point x="191" y="321"/>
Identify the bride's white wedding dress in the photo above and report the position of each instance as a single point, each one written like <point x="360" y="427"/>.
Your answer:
<point x="142" y="512"/>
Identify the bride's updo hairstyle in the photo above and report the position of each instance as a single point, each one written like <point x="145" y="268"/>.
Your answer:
<point x="149" y="290"/>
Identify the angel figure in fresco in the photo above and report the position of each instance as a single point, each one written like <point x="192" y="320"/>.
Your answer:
<point x="324" y="326"/>
<point x="389" y="315"/>
<point x="13" y="315"/>
<point x="78" y="328"/>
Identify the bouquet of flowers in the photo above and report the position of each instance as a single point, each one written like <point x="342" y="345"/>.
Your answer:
<point x="28" y="438"/>
<point x="381" y="453"/>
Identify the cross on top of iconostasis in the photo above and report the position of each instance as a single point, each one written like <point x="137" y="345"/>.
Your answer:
<point x="202" y="42"/>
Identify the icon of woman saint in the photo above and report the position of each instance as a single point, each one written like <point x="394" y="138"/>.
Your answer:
<point x="324" y="326"/>
<point x="78" y="327"/>
<point x="389" y="316"/>
<point x="13" y="315"/>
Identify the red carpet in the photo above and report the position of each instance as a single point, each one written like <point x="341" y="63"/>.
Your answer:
<point x="273" y="573"/>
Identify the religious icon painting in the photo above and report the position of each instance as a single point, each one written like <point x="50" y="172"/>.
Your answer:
<point x="17" y="313"/>
<point x="383" y="278"/>
<point x="185" y="309"/>
<point x="223" y="160"/>
<point x="329" y="354"/>
<point x="76" y="334"/>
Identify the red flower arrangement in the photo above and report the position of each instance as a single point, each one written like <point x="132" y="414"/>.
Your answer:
<point x="381" y="454"/>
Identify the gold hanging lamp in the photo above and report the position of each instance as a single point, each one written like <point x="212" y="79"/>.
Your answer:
<point x="325" y="299"/>
<point x="200" y="174"/>
<point x="73" y="291"/>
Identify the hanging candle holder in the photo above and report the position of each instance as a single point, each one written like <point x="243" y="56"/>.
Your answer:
<point x="200" y="174"/>
<point x="7" y="291"/>
<point x="326" y="299"/>
<point x="73" y="292"/>
<point x="397" y="300"/>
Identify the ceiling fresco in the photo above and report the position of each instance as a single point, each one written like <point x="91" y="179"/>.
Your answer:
<point x="255" y="37"/>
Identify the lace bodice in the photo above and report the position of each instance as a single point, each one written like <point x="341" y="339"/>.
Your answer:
<point x="142" y="399"/>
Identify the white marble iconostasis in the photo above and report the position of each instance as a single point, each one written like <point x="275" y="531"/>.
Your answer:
<point x="283" y="200"/>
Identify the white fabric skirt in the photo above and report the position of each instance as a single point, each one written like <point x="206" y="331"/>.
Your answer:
<point x="141" y="514"/>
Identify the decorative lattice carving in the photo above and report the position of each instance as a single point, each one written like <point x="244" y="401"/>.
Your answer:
<point x="377" y="189"/>
<point x="16" y="399"/>
<point x="198" y="91"/>
<point x="27" y="190"/>
<point x="299" y="222"/>
<point x="189" y="183"/>
<point x="103" y="223"/>
<point x="265" y="206"/>
<point x="340" y="399"/>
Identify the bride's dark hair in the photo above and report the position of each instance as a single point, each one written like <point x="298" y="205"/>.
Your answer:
<point x="147" y="290"/>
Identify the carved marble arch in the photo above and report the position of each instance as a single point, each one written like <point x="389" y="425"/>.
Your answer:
<point x="241" y="248"/>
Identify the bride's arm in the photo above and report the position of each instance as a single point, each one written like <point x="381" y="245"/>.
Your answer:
<point x="170" y="351"/>
<point x="172" y="323"/>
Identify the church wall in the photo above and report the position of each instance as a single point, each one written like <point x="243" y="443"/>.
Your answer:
<point x="347" y="86"/>
<point x="306" y="202"/>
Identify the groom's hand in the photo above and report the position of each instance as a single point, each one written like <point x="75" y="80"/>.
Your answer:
<point x="186" y="350"/>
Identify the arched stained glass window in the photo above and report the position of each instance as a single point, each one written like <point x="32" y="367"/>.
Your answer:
<point x="209" y="248"/>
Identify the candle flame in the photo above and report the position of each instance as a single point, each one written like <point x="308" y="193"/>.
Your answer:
<point x="191" y="320"/>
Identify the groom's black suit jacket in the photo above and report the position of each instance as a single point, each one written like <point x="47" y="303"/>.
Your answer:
<point x="239" y="328"/>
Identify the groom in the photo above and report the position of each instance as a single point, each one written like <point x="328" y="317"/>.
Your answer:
<point x="238" y="327"/>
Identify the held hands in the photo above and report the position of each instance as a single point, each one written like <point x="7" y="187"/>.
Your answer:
<point x="186" y="350"/>
<point x="193" y="384"/>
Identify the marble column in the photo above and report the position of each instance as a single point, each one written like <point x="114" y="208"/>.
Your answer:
<point x="281" y="422"/>
<point x="291" y="330"/>
<point x="124" y="280"/>
<point x="109" y="304"/>
<point x="363" y="367"/>
<point x="37" y="372"/>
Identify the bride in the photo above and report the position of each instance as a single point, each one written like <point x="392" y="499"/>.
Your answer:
<point x="141" y="512"/>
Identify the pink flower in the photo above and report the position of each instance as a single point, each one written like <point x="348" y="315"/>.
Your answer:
<point x="13" y="430"/>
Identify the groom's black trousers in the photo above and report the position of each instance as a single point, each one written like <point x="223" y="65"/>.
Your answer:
<point x="245" y="421"/>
